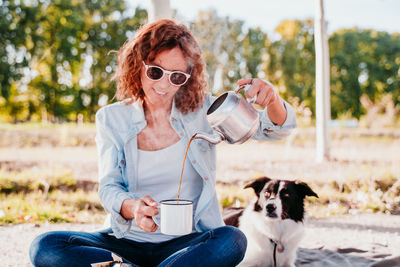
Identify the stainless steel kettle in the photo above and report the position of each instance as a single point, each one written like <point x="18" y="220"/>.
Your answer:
<point x="232" y="118"/>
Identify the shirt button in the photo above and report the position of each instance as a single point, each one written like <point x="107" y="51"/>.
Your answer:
<point x="122" y="161"/>
<point x="206" y="178"/>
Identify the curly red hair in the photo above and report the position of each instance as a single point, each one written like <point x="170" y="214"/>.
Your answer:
<point x="151" y="40"/>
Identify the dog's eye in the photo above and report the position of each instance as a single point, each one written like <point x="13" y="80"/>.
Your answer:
<point x="267" y="194"/>
<point x="286" y="195"/>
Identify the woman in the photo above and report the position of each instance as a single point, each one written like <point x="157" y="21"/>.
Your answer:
<point x="141" y="143"/>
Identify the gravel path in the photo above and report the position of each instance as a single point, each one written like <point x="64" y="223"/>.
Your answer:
<point x="366" y="237"/>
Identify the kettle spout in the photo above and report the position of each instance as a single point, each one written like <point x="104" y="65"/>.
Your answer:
<point x="214" y="138"/>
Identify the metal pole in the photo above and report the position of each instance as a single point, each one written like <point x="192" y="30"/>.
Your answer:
<point x="159" y="9"/>
<point x="322" y="83"/>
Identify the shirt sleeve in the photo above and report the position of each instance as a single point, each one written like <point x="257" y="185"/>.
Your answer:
<point x="269" y="130"/>
<point x="112" y="189"/>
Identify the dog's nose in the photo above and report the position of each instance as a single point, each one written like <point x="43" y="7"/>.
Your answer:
<point x="271" y="208"/>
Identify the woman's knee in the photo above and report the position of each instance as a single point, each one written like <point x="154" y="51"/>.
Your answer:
<point x="42" y="250"/>
<point x="234" y="240"/>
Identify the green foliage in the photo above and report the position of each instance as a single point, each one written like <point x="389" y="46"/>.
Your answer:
<point x="56" y="65"/>
<point x="292" y="64"/>
<point x="363" y="62"/>
<point x="55" y="56"/>
<point x="218" y="38"/>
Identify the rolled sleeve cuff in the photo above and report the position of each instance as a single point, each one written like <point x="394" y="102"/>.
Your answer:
<point x="117" y="203"/>
<point x="290" y="122"/>
<point x="119" y="224"/>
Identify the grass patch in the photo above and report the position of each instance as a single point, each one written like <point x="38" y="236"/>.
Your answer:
<point x="233" y="195"/>
<point x="25" y="198"/>
<point x="349" y="197"/>
<point x="56" y="207"/>
<point x="31" y="181"/>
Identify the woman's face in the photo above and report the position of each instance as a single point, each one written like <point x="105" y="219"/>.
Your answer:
<point x="161" y="93"/>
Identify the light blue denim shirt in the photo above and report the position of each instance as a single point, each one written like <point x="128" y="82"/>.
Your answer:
<point x="117" y="127"/>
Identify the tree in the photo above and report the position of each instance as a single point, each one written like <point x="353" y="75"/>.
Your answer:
<point x="55" y="59"/>
<point x="219" y="39"/>
<point x="64" y="66"/>
<point x="363" y="62"/>
<point x="291" y="65"/>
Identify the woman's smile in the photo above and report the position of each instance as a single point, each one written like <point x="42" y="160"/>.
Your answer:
<point x="159" y="92"/>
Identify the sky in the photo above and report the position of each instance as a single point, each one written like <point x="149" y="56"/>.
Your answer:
<point x="382" y="15"/>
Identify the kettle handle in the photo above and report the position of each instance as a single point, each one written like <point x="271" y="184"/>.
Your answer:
<point x="245" y="88"/>
<point x="214" y="138"/>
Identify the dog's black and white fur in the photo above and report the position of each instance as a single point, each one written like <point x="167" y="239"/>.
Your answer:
<point x="273" y="222"/>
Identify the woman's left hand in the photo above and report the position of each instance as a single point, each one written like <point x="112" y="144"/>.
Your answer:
<point x="265" y="92"/>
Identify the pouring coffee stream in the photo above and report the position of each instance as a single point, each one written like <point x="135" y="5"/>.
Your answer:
<point x="232" y="118"/>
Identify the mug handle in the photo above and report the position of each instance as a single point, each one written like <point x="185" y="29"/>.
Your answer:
<point x="157" y="218"/>
<point x="245" y="88"/>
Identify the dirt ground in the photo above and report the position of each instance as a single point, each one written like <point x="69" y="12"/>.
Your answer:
<point x="235" y="163"/>
<point x="369" y="237"/>
<point x="363" y="239"/>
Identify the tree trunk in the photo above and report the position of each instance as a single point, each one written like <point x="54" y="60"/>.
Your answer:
<point x="322" y="81"/>
<point x="159" y="9"/>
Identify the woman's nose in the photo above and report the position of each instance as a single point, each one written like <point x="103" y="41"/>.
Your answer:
<point x="164" y="81"/>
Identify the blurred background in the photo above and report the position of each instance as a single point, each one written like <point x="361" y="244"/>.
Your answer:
<point x="56" y="64"/>
<point x="56" y="60"/>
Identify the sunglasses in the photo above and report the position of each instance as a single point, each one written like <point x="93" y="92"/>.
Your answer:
<point x="176" y="78"/>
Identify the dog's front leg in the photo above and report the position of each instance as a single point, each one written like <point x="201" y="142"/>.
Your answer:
<point x="290" y="241"/>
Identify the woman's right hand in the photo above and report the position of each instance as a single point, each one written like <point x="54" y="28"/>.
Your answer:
<point x="141" y="210"/>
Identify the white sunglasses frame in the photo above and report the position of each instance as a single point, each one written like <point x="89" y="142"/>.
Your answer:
<point x="165" y="72"/>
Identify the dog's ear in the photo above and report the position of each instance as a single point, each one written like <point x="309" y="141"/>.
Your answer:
<point x="258" y="184"/>
<point x="304" y="189"/>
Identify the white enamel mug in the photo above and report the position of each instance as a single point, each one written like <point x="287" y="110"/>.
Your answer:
<point x="176" y="216"/>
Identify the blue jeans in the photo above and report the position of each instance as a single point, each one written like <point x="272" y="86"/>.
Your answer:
<point x="223" y="246"/>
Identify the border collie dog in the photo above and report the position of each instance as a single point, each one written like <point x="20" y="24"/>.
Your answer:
<point x="273" y="222"/>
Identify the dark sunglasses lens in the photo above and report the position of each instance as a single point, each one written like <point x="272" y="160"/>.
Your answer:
<point x="155" y="73"/>
<point x="178" y="78"/>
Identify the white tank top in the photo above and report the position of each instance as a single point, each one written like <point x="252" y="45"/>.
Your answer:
<point x="159" y="173"/>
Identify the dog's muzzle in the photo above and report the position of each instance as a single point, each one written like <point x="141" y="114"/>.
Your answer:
<point x="271" y="209"/>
